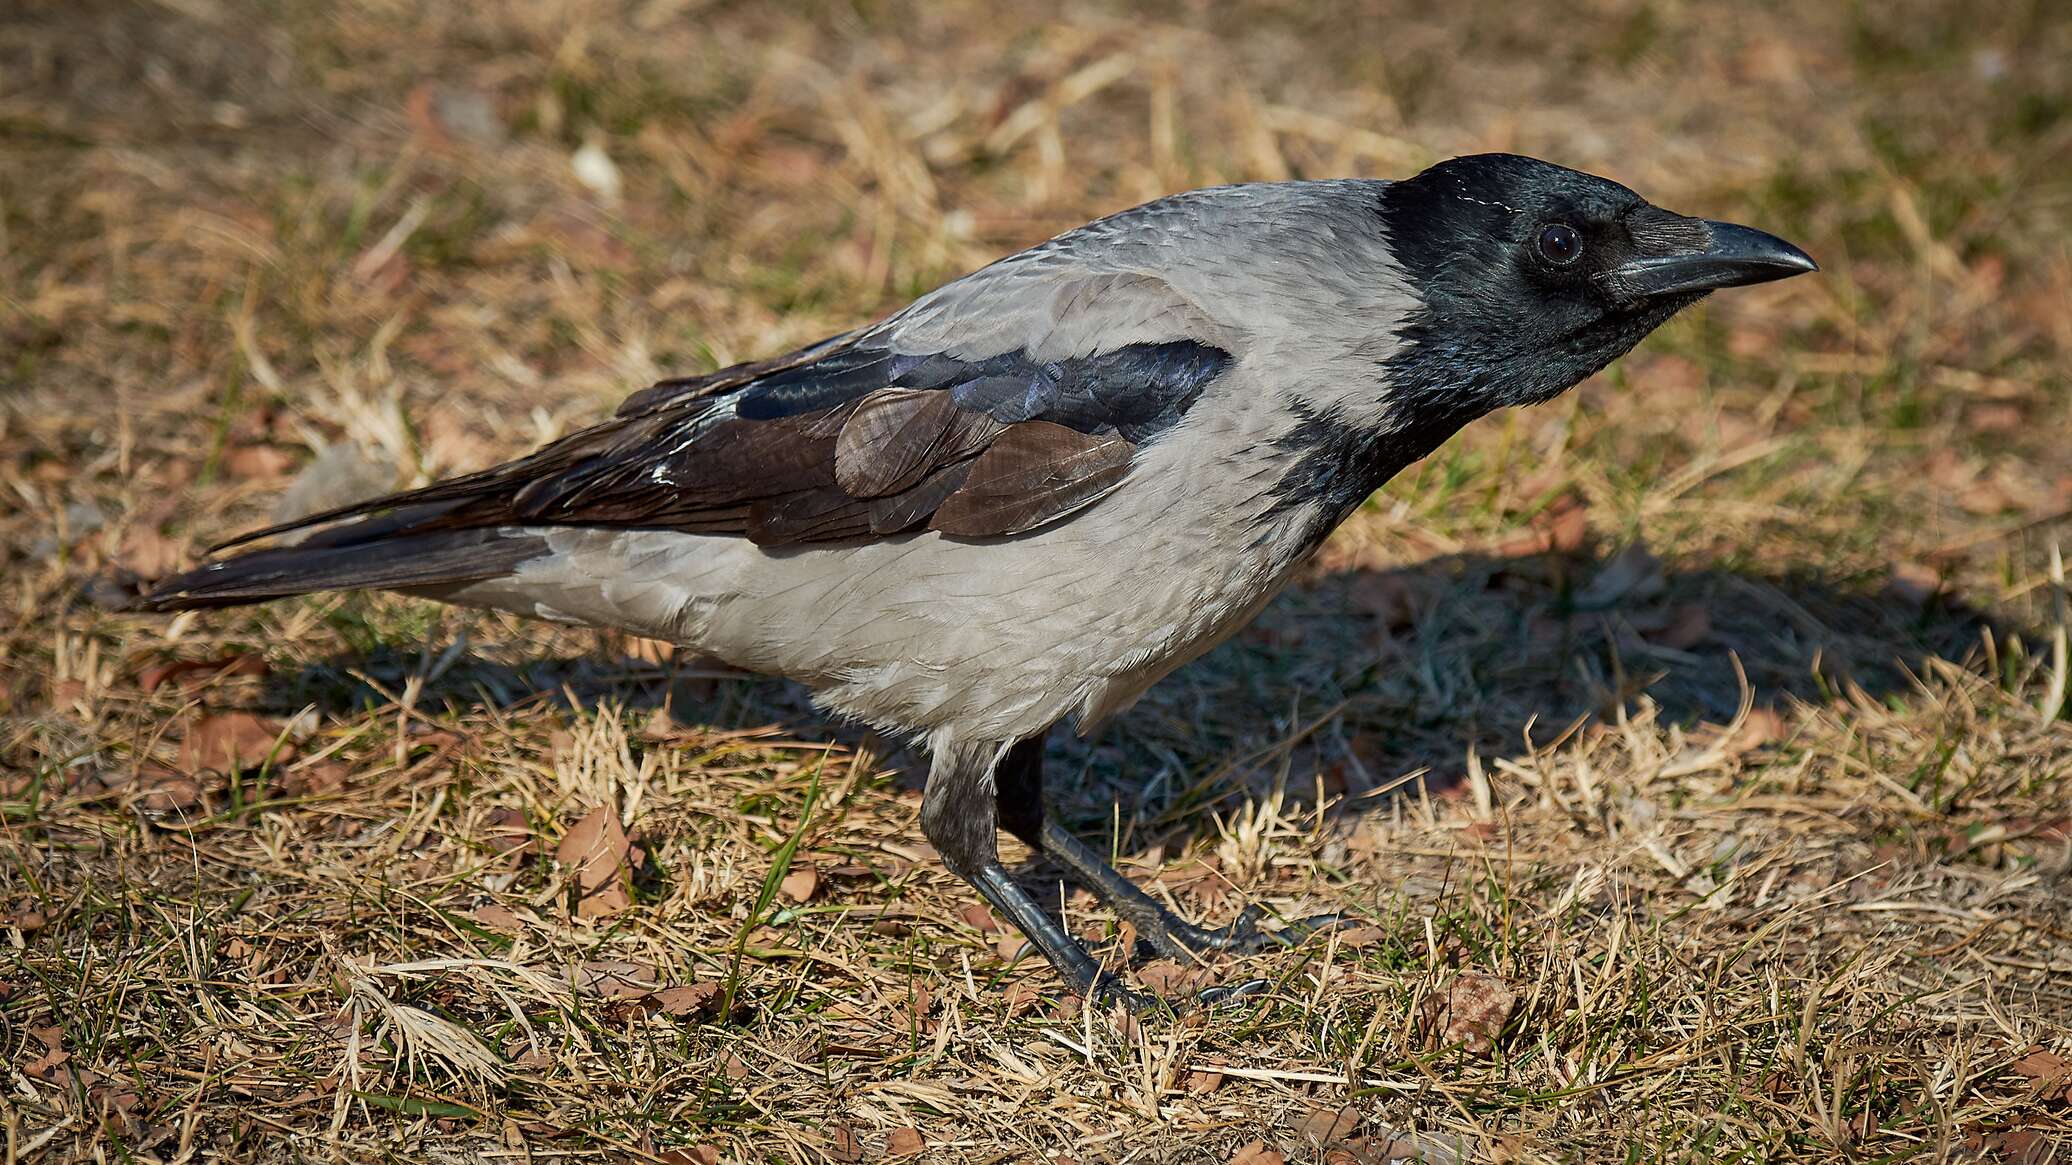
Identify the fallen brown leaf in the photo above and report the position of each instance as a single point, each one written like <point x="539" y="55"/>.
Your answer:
<point x="149" y="553"/>
<point x="617" y="979"/>
<point x="54" y="1058"/>
<point x="1762" y="726"/>
<point x="1166" y="977"/>
<point x="2047" y="1068"/>
<point x="309" y="780"/>
<point x="497" y="918"/>
<point x="194" y="672"/>
<point x="800" y="883"/>
<point x="509" y="833"/>
<point x="1020" y="997"/>
<point x="1469" y="1013"/>
<point x="1257" y="1153"/>
<point x="980" y="919"/>
<point x="600" y="852"/>
<point x="165" y="791"/>
<point x="1328" y="1126"/>
<point x="2022" y="1147"/>
<point x="257" y="461"/>
<point x="1559" y="529"/>
<point x="845" y="1145"/>
<point x="904" y="1142"/>
<point x="1359" y="937"/>
<point x="685" y="1000"/>
<point x="231" y="741"/>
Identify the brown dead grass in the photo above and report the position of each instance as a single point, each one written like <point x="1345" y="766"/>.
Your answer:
<point x="1714" y="715"/>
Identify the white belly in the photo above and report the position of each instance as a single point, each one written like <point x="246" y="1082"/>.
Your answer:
<point x="990" y="640"/>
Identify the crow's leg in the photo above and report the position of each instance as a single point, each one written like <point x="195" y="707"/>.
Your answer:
<point x="1019" y="783"/>
<point x="960" y="819"/>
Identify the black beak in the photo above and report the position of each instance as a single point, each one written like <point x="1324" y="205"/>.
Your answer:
<point x="1696" y="256"/>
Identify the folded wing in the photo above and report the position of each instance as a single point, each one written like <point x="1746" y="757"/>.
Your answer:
<point x="858" y="436"/>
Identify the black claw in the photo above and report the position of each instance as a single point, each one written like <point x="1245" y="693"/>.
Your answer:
<point x="1243" y="935"/>
<point x="1226" y="993"/>
<point x="1302" y="928"/>
<point x="1108" y="992"/>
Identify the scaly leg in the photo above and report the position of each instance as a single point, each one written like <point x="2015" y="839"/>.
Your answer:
<point x="1019" y="784"/>
<point x="959" y="817"/>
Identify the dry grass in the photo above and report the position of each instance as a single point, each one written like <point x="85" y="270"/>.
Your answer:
<point x="1818" y="913"/>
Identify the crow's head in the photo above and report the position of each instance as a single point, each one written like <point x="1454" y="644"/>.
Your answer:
<point x="1533" y="276"/>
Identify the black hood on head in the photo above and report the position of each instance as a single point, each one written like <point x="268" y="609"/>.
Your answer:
<point x="1534" y="276"/>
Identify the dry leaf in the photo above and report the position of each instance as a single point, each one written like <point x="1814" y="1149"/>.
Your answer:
<point x="2042" y="1065"/>
<point x="904" y="1142"/>
<point x="1995" y="418"/>
<point x="800" y="883"/>
<point x="194" y="672"/>
<point x="980" y="919"/>
<point x="1559" y="529"/>
<point x="497" y="918"/>
<point x="1257" y="1153"/>
<point x="509" y="833"/>
<point x="617" y="979"/>
<point x="229" y="742"/>
<point x="707" y="1154"/>
<point x="1166" y="977"/>
<point x="1202" y="1081"/>
<point x="1020" y="997"/>
<point x="598" y="849"/>
<point x="735" y="1067"/>
<point x="1914" y="582"/>
<point x="1360" y="937"/>
<point x="149" y="553"/>
<point x="168" y="792"/>
<point x="1762" y="726"/>
<point x="1328" y="1126"/>
<point x="1470" y="1012"/>
<point x="309" y="780"/>
<point x="54" y="1058"/>
<point x="257" y="461"/>
<point x="2022" y="1147"/>
<point x="845" y="1145"/>
<point x="686" y="1000"/>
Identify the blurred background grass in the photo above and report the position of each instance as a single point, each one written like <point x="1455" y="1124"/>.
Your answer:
<point x="1767" y="605"/>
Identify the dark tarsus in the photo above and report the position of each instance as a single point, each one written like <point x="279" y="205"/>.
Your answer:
<point x="961" y="821"/>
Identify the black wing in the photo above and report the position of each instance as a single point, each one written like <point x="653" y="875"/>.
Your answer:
<point x="844" y="439"/>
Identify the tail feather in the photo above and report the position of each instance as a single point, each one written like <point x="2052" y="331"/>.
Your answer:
<point x="395" y="562"/>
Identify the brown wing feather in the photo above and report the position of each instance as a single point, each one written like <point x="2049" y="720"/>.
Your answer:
<point x="888" y="462"/>
<point x="1034" y="473"/>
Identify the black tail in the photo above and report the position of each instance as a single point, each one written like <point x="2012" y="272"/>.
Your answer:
<point x="372" y="561"/>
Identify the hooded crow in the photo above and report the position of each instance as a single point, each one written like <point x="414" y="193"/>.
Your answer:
<point x="1038" y="489"/>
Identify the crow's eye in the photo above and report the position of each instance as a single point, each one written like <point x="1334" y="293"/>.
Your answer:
<point x="1560" y="244"/>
